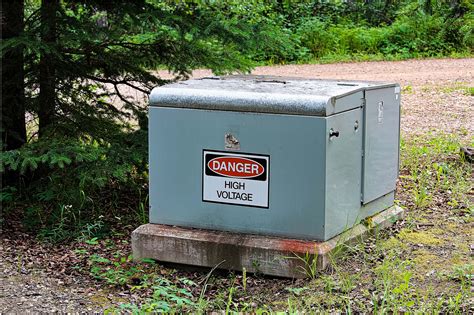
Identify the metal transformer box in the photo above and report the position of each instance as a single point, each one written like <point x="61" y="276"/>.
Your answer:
<point x="289" y="157"/>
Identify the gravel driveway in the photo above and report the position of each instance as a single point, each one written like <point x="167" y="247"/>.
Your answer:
<point x="435" y="93"/>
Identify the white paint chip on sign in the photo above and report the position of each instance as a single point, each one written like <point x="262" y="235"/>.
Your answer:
<point x="235" y="178"/>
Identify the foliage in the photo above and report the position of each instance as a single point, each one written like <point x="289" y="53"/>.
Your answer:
<point x="91" y="168"/>
<point x="119" y="271"/>
<point x="103" y="49"/>
<point x="166" y="298"/>
<point x="313" y="30"/>
<point x="416" y="35"/>
<point x="66" y="181"/>
<point x="123" y="272"/>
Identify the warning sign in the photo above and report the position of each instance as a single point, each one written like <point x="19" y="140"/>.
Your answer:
<point x="235" y="178"/>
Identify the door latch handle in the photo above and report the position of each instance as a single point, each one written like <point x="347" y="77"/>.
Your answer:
<point x="333" y="133"/>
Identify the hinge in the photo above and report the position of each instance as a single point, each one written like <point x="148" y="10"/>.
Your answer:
<point x="363" y="102"/>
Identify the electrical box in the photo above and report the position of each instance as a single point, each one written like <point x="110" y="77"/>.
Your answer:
<point x="289" y="157"/>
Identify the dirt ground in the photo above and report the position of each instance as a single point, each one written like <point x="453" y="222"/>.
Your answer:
<point x="435" y="99"/>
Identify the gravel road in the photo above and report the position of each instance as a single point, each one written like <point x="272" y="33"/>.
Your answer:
<point x="434" y="91"/>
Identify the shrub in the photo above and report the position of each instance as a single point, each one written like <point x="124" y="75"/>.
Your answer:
<point x="67" y="183"/>
<point x="315" y="36"/>
<point x="413" y="33"/>
<point x="423" y="35"/>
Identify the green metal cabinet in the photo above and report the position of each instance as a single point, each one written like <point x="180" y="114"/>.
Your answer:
<point x="289" y="157"/>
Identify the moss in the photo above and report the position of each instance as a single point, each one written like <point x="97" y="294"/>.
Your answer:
<point x="463" y="248"/>
<point x="457" y="259"/>
<point x="393" y="244"/>
<point x="427" y="268"/>
<point x="437" y="231"/>
<point x="420" y="237"/>
<point x="421" y="219"/>
<point x="105" y="299"/>
<point x="451" y="226"/>
<point x="425" y="259"/>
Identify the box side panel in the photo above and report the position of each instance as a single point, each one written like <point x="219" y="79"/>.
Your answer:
<point x="381" y="142"/>
<point x="295" y="145"/>
<point x="343" y="171"/>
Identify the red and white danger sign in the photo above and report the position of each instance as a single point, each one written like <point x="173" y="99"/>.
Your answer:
<point x="235" y="178"/>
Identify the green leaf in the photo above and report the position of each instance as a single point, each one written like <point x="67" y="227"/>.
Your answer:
<point x="92" y="241"/>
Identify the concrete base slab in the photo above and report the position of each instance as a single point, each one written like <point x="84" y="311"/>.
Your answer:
<point x="256" y="253"/>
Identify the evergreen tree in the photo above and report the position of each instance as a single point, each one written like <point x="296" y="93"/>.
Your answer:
<point x="13" y="95"/>
<point x="82" y="54"/>
<point x="13" y="128"/>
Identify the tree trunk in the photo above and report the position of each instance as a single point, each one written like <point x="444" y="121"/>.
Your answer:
<point x="13" y="95"/>
<point x="428" y="7"/>
<point x="47" y="76"/>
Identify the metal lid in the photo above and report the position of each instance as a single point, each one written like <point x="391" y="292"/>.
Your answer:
<point x="265" y="94"/>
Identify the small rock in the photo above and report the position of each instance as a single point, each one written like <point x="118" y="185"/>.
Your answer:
<point x="431" y="272"/>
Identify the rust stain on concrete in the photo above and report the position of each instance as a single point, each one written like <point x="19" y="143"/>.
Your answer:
<point x="297" y="246"/>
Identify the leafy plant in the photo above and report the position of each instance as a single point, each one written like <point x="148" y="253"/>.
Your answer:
<point x="394" y="281"/>
<point x="166" y="297"/>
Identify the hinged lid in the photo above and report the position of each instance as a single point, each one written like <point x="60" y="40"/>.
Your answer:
<point x="265" y="94"/>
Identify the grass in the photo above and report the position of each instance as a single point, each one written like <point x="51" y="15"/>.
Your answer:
<point x="338" y="58"/>
<point x="465" y="89"/>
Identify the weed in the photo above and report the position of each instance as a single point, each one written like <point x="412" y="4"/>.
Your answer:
<point x="432" y="166"/>
<point x="393" y="278"/>
<point x="92" y="241"/>
<point x="81" y="251"/>
<point x="167" y="297"/>
<point x="329" y="283"/>
<point x="142" y="211"/>
<point x="297" y="291"/>
<point x="454" y="304"/>
<point x="309" y="263"/>
<point x="7" y="194"/>
<point x="466" y="90"/>
<point x="120" y="271"/>
<point x="89" y="231"/>
<point x="407" y="89"/>
<point x="229" y="298"/>
<point x="201" y="302"/>
<point x="464" y="274"/>
<point x="469" y="91"/>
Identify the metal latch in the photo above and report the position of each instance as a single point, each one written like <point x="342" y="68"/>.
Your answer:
<point x="333" y="133"/>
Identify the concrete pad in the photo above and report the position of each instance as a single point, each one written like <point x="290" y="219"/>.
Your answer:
<point x="256" y="253"/>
